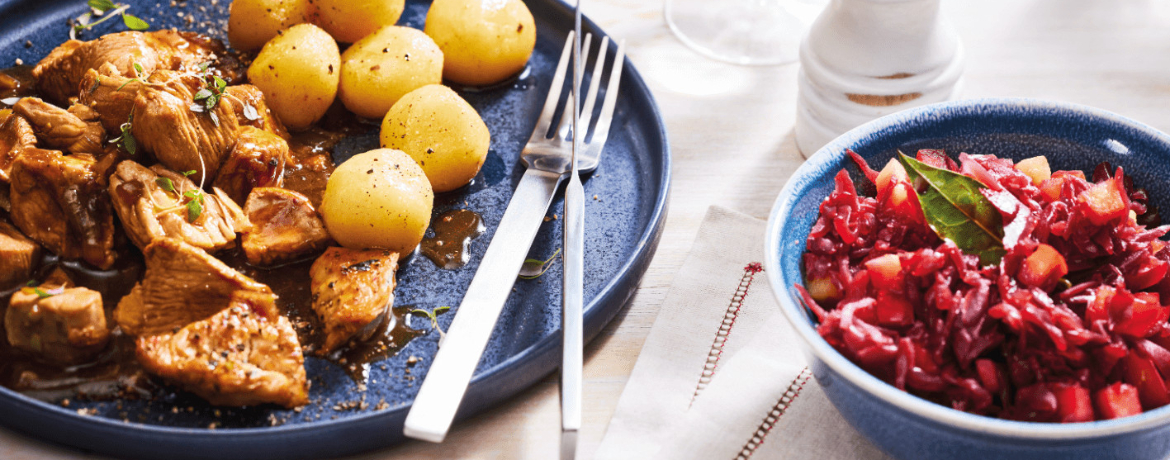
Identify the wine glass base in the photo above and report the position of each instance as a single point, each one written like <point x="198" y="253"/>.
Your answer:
<point x="745" y="32"/>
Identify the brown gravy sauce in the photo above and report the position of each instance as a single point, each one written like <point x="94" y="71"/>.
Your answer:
<point x="453" y="232"/>
<point x="114" y="374"/>
<point x="17" y="82"/>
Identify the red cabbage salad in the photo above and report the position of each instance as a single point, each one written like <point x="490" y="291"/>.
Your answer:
<point x="997" y="288"/>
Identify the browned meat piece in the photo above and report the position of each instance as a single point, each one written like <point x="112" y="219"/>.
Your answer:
<point x="60" y="73"/>
<point x="15" y="136"/>
<point x="257" y="160"/>
<point x="242" y="356"/>
<point x="60" y="325"/>
<point x="148" y="211"/>
<point x="58" y="202"/>
<point x="18" y="256"/>
<point x="352" y="292"/>
<point x="57" y="278"/>
<point x="180" y="138"/>
<point x="109" y="94"/>
<point x="182" y="284"/>
<point x="285" y="227"/>
<point x="107" y="163"/>
<point x="76" y="130"/>
<point x="112" y="96"/>
<point x="247" y="98"/>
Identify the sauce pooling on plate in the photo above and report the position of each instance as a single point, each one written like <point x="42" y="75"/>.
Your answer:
<point x="454" y="230"/>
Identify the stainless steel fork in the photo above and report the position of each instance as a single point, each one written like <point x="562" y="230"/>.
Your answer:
<point x="548" y="163"/>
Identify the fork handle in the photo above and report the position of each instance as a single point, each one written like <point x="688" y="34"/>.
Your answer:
<point x="573" y="292"/>
<point x="446" y="382"/>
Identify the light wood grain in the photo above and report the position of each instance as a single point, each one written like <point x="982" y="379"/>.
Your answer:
<point x="730" y="131"/>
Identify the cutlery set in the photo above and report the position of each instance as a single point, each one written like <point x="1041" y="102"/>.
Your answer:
<point x="553" y="154"/>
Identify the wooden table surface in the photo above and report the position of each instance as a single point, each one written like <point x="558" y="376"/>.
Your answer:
<point x="730" y="130"/>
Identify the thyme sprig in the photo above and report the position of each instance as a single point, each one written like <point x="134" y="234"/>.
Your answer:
<point x="104" y="10"/>
<point x="126" y="140"/>
<point x="30" y="288"/>
<point x="208" y="97"/>
<point x="137" y="77"/>
<point x="434" y="319"/>
<point x="191" y="200"/>
<point x="533" y="268"/>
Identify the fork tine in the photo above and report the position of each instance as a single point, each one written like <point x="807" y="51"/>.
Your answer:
<point x="611" y="91"/>
<point x="567" y="117"/>
<point x="594" y="83"/>
<point x="540" y="132"/>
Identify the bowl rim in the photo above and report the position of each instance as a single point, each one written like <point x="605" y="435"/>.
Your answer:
<point x="837" y="362"/>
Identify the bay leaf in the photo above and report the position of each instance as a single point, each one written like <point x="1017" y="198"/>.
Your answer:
<point x="957" y="211"/>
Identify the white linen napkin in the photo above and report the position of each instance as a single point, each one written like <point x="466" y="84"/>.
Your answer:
<point x="721" y="375"/>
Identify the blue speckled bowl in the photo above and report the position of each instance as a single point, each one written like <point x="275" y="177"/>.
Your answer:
<point x="903" y="425"/>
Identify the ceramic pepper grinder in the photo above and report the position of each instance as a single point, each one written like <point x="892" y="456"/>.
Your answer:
<point x="863" y="59"/>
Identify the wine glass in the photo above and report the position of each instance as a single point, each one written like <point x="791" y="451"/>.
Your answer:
<point x="747" y="32"/>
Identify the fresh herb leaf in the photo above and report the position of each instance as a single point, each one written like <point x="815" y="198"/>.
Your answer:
<point x="194" y="209"/>
<point x="126" y="140"/>
<point x="165" y="183"/>
<point x="138" y="70"/>
<point x="101" y="5"/>
<point x="129" y="143"/>
<point x="188" y="173"/>
<point x="533" y="268"/>
<point x="957" y="211"/>
<point x="106" y="9"/>
<point x="30" y="283"/>
<point x="211" y="93"/>
<point x="210" y="102"/>
<point x="134" y="22"/>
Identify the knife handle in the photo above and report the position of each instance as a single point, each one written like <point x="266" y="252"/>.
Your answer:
<point x="572" y="360"/>
<point x="446" y="382"/>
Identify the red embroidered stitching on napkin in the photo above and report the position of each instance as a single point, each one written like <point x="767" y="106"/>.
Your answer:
<point x="724" y="331"/>
<point x="774" y="415"/>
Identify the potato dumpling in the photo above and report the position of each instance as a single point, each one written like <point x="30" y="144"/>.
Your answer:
<point x="378" y="199"/>
<point x="441" y="131"/>
<point x="252" y="23"/>
<point x="483" y="41"/>
<point x="299" y="72"/>
<point x="381" y="68"/>
<point x="350" y="20"/>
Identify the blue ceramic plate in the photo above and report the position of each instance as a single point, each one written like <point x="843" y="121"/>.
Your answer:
<point x="1072" y="137"/>
<point x="622" y="230"/>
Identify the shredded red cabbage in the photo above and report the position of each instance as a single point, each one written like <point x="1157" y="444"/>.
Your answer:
<point x="1068" y="327"/>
